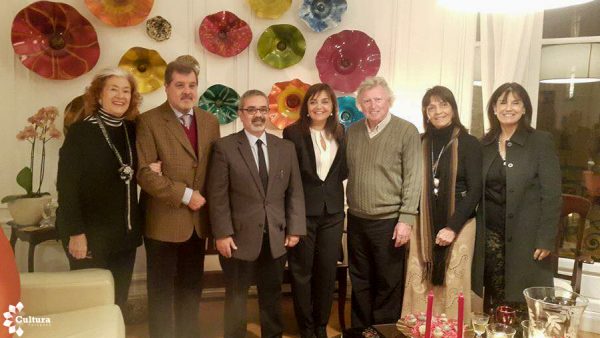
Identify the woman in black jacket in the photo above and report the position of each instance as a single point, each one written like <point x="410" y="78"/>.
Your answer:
<point x="521" y="200"/>
<point x="320" y="146"/>
<point x="98" y="218"/>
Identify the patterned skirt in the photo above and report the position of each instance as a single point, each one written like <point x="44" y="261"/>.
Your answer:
<point x="457" y="278"/>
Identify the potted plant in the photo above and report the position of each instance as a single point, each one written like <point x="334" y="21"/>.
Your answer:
<point x="27" y="209"/>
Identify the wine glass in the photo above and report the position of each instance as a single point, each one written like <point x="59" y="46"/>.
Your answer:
<point x="498" y="330"/>
<point x="49" y="214"/>
<point x="479" y="321"/>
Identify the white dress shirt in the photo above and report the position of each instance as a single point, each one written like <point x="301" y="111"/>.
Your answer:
<point x="252" y="140"/>
<point x="187" y="194"/>
<point x="323" y="156"/>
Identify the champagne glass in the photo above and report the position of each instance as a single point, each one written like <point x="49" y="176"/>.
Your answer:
<point x="498" y="330"/>
<point x="479" y="321"/>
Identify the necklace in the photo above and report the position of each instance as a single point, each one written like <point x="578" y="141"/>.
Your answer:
<point x="125" y="171"/>
<point x="435" y="165"/>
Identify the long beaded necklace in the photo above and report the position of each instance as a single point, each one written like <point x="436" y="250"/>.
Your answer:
<point x="434" y="165"/>
<point x="125" y="171"/>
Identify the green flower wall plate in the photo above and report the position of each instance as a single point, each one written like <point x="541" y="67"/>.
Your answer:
<point x="221" y="101"/>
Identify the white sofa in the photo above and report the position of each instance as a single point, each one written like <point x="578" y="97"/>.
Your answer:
<point x="78" y="303"/>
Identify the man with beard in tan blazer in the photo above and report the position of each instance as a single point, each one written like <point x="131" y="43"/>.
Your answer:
<point x="180" y="136"/>
<point x="256" y="211"/>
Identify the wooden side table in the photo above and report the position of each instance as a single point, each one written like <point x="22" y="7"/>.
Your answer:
<point x="31" y="234"/>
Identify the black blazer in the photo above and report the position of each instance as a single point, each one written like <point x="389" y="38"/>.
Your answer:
<point x="319" y="195"/>
<point x="533" y="204"/>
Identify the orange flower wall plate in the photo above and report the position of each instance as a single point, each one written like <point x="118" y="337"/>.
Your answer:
<point x="54" y="40"/>
<point x="285" y="99"/>
<point x="120" y="13"/>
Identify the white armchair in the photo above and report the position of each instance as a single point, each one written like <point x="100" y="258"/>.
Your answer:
<point x="79" y="304"/>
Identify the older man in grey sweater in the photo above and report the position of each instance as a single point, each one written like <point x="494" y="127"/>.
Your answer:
<point x="384" y="185"/>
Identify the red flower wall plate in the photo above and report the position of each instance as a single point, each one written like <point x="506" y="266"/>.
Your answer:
<point x="54" y="40"/>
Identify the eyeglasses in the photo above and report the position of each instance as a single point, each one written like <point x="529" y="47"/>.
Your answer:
<point x="254" y="110"/>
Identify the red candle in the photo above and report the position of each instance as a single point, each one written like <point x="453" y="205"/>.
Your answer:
<point x="461" y="315"/>
<point x="429" y="314"/>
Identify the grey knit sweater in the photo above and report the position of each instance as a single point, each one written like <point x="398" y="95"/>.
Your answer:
<point x="385" y="175"/>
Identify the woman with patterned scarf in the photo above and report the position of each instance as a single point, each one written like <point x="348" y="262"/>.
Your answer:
<point x="441" y="245"/>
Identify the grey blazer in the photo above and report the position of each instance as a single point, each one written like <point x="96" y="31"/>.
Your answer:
<point x="238" y="204"/>
<point x="533" y="204"/>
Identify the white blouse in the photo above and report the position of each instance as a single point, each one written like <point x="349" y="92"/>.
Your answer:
<point x="323" y="155"/>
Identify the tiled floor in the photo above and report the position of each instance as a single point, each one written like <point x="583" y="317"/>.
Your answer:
<point x="211" y="320"/>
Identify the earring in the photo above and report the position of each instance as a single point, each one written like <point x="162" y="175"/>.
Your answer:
<point x="330" y="114"/>
<point x="307" y="115"/>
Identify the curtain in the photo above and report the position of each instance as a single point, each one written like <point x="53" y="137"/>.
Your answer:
<point x="510" y="52"/>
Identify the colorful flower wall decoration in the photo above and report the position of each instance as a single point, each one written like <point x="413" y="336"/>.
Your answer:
<point x="221" y="101"/>
<point x="269" y="9"/>
<point x="158" y="28"/>
<point x="120" y="13"/>
<point x="146" y="66"/>
<point x="285" y="100"/>
<point x="54" y="40"/>
<point x="224" y="34"/>
<point x="321" y="15"/>
<point x="346" y="59"/>
<point x="281" y="46"/>
<point x="348" y="111"/>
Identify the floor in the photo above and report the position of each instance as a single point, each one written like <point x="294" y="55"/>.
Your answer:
<point x="211" y="320"/>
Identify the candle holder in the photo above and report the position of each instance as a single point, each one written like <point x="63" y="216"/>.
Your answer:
<point x="506" y="315"/>
<point x="558" y="310"/>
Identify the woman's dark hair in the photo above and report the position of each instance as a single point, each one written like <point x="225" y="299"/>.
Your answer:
<point x="445" y="95"/>
<point x="499" y="94"/>
<point x="332" y="126"/>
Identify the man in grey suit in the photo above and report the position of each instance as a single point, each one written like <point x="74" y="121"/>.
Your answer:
<point x="256" y="207"/>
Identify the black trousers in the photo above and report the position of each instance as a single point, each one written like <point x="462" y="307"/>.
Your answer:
<point x="268" y="274"/>
<point x="312" y="264"/>
<point x="376" y="271"/>
<point x="119" y="263"/>
<point x="174" y="272"/>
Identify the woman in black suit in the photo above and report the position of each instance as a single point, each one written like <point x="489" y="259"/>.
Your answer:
<point x="521" y="200"/>
<point x="320" y="146"/>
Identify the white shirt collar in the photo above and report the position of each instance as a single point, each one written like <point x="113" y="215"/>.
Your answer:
<point x="379" y="127"/>
<point x="180" y="114"/>
<point x="252" y="139"/>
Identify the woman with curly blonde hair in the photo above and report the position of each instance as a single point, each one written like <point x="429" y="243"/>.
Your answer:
<point x="99" y="217"/>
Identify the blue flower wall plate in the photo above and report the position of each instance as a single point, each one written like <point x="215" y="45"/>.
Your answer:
<point x="347" y="111"/>
<point x="321" y="15"/>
